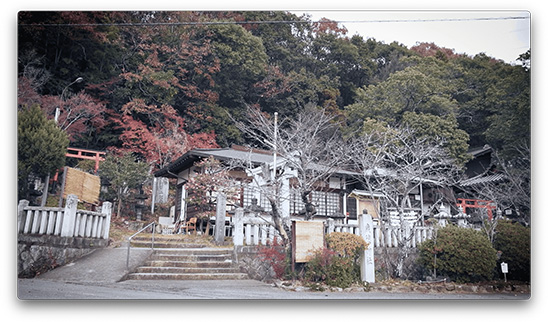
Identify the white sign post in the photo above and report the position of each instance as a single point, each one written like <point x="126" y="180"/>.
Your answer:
<point x="504" y="268"/>
<point x="365" y="223"/>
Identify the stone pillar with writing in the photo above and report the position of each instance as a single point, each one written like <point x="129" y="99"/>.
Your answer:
<point x="107" y="210"/>
<point x="69" y="219"/>
<point x="220" y="217"/>
<point x="238" y="234"/>
<point x="367" y="261"/>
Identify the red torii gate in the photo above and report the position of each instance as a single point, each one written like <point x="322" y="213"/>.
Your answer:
<point x="477" y="203"/>
<point x="83" y="154"/>
<point x="87" y="155"/>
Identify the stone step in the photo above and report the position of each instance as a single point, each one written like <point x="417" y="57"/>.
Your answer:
<point x="185" y="270"/>
<point x="201" y="264"/>
<point x="173" y="238"/>
<point x="193" y="251"/>
<point x="165" y="244"/>
<point x="191" y="257"/>
<point x="175" y="258"/>
<point x="190" y="276"/>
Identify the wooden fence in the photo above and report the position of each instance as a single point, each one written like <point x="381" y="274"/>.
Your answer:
<point x="64" y="222"/>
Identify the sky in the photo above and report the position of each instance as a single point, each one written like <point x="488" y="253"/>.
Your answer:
<point x="466" y="32"/>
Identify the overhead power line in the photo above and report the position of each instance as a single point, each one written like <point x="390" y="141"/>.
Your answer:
<point x="192" y="23"/>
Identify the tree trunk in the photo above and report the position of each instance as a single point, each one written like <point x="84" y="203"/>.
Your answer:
<point x="278" y="223"/>
<point x="309" y="208"/>
<point x="119" y="207"/>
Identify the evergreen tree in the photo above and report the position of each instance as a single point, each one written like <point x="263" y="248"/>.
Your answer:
<point x="123" y="174"/>
<point x="41" y="147"/>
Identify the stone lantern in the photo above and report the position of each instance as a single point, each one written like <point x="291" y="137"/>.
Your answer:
<point x="461" y="218"/>
<point x="140" y="205"/>
<point x="442" y="215"/>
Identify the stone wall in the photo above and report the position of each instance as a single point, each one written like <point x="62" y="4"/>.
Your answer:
<point x="39" y="254"/>
<point x="248" y="260"/>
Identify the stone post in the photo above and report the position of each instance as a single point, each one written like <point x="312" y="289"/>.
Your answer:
<point x="69" y="216"/>
<point x="367" y="260"/>
<point x="220" y="216"/>
<point x="238" y="235"/>
<point x="107" y="210"/>
<point x="21" y="215"/>
<point x="330" y="225"/>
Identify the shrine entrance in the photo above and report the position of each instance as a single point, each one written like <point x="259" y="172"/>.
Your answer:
<point x="477" y="203"/>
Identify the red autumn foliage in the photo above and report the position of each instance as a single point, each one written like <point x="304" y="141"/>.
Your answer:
<point x="327" y="26"/>
<point x="274" y="255"/>
<point x="79" y="114"/>
<point x="430" y="49"/>
<point x="26" y="93"/>
<point x="162" y="139"/>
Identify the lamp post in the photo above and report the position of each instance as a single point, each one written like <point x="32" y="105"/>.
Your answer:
<point x="57" y="110"/>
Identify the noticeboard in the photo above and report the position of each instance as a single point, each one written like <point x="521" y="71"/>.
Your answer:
<point x="308" y="236"/>
<point x="82" y="184"/>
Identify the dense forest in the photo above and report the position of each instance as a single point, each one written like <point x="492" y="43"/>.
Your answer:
<point x="160" y="83"/>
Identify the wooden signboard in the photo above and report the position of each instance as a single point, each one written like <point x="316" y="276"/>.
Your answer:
<point x="308" y="236"/>
<point x="86" y="186"/>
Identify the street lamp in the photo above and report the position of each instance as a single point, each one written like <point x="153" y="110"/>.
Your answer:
<point x="57" y="110"/>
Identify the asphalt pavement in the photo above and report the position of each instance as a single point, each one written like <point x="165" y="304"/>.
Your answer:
<point x="102" y="267"/>
<point x="99" y="276"/>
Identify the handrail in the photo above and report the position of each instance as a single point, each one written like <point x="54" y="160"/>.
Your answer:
<point x="153" y="224"/>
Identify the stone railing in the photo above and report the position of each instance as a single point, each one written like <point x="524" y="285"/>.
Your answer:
<point x="387" y="236"/>
<point x="64" y="222"/>
<point x="252" y="231"/>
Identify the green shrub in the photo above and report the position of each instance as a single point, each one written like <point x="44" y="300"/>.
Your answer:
<point x="513" y="241"/>
<point x="343" y="272"/>
<point x="326" y="266"/>
<point x="337" y="265"/>
<point x="462" y="254"/>
<point x="317" y="266"/>
<point x="346" y="244"/>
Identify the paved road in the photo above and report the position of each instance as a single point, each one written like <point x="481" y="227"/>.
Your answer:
<point x="98" y="275"/>
<point x="45" y="289"/>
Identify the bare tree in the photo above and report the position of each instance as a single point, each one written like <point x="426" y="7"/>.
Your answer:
<point x="509" y="187"/>
<point x="307" y="150"/>
<point x="515" y="190"/>
<point x="393" y="162"/>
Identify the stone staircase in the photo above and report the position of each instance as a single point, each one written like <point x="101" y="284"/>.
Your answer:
<point x="174" y="258"/>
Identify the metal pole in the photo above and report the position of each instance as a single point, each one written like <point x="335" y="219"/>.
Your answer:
<point x="153" y="195"/>
<point x="57" y="109"/>
<point x="275" y="144"/>
<point x="63" y="187"/>
<point x="45" y="192"/>
<point x="153" y="230"/>
<point x="422" y="204"/>
<point x="128" y="249"/>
